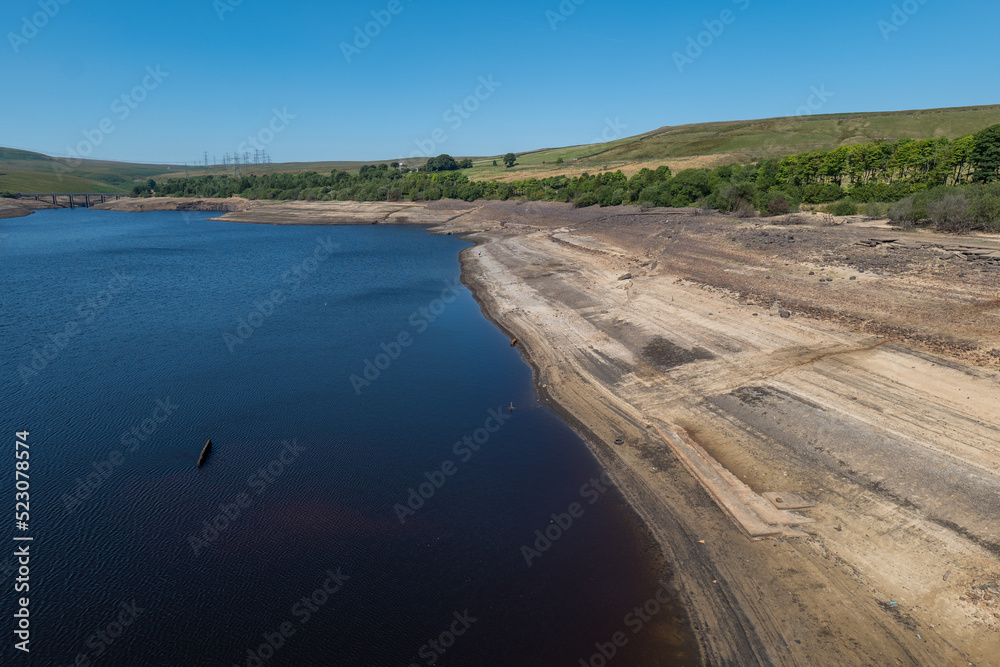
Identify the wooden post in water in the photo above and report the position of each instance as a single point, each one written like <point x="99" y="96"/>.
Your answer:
<point x="204" y="452"/>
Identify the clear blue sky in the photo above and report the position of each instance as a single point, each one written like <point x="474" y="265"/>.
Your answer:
<point x="606" y="61"/>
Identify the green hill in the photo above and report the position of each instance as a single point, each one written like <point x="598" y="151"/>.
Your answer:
<point x="24" y="171"/>
<point x="717" y="143"/>
<point x="749" y="141"/>
<point x="783" y="136"/>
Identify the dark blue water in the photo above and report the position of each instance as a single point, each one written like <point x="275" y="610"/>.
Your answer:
<point x="128" y="340"/>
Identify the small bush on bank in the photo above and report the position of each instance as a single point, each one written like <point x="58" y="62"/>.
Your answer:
<point x="842" y="208"/>
<point x="745" y="210"/>
<point x="876" y="210"/>
<point x="951" y="213"/>
<point x="778" y="206"/>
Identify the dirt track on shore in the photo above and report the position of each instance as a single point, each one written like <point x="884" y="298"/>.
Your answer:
<point x="854" y="365"/>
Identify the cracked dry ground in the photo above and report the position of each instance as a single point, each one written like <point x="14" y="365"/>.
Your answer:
<point x="877" y="398"/>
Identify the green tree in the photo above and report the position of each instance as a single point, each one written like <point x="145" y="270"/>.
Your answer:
<point x="957" y="160"/>
<point x="443" y="162"/>
<point x="986" y="155"/>
<point x="835" y="164"/>
<point x="510" y="160"/>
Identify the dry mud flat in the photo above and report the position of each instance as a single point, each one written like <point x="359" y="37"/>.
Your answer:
<point x="851" y="366"/>
<point x="148" y="204"/>
<point x="19" y="208"/>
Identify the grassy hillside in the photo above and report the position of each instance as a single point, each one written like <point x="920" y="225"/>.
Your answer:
<point x="711" y="144"/>
<point x="783" y="136"/>
<point x="696" y="145"/>
<point x="24" y="171"/>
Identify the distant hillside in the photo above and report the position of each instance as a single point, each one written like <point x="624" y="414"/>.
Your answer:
<point x="695" y="145"/>
<point x="24" y="171"/>
<point x="713" y="144"/>
<point x="782" y="136"/>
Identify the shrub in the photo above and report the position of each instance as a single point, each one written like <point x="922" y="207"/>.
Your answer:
<point x="951" y="213"/>
<point x="745" y="210"/>
<point x="586" y="199"/>
<point x="688" y="187"/>
<point x="985" y="207"/>
<point x="7" y="195"/>
<point x="650" y="194"/>
<point x="869" y="192"/>
<point x="842" y="208"/>
<point x="614" y="198"/>
<point x="876" y="210"/>
<point x="903" y="212"/>
<point x="821" y="194"/>
<point x="778" y="206"/>
<point x="725" y="198"/>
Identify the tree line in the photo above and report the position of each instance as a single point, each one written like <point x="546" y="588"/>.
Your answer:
<point x="843" y="179"/>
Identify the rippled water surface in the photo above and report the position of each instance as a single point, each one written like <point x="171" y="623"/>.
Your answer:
<point x="129" y="340"/>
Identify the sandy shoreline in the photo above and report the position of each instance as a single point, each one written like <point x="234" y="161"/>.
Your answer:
<point x="876" y="398"/>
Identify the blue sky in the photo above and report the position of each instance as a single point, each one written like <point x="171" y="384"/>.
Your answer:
<point x="559" y="73"/>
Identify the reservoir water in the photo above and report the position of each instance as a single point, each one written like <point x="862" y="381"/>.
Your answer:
<point x="400" y="516"/>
